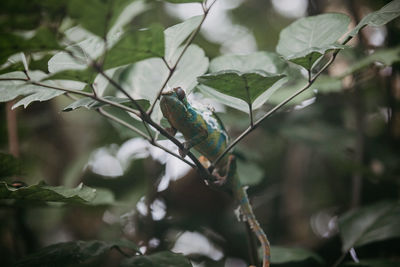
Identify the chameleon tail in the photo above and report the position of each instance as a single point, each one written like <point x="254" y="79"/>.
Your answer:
<point x="248" y="214"/>
<point x="245" y="208"/>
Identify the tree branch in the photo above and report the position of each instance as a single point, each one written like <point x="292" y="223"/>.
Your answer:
<point x="146" y="118"/>
<point x="134" y="129"/>
<point x="185" y="47"/>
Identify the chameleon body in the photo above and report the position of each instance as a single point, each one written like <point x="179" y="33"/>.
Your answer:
<point x="205" y="133"/>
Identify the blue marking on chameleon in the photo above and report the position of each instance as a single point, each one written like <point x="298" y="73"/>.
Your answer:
<point x="195" y="124"/>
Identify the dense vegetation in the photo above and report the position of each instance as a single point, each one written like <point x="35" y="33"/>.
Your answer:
<point x="311" y="105"/>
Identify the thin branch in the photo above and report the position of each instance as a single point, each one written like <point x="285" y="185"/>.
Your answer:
<point x="273" y="110"/>
<point x="134" y="129"/>
<point x="173" y="67"/>
<point x="77" y="92"/>
<point x="212" y="4"/>
<point x="119" y="87"/>
<point x="173" y="154"/>
<point x="112" y="117"/>
<point x="203" y="171"/>
<point x="122" y="90"/>
<point x="137" y="131"/>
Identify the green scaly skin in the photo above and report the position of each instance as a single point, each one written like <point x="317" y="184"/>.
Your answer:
<point x="205" y="133"/>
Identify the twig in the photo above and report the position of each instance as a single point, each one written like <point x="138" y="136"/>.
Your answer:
<point x="185" y="47"/>
<point x="122" y="90"/>
<point x="284" y="102"/>
<point x="146" y="118"/>
<point x="134" y="129"/>
<point x="203" y="171"/>
<point x="112" y="117"/>
<point x="77" y="92"/>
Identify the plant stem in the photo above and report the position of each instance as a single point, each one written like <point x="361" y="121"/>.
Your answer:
<point x="203" y="171"/>
<point x="134" y="129"/>
<point x="77" y="92"/>
<point x="173" y="67"/>
<point x="273" y="110"/>
<point x="146" y="118"/>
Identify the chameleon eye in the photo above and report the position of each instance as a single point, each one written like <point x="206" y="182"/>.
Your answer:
<point x="180" y="93"/>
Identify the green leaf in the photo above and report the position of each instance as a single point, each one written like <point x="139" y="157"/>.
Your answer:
<point x="245" y="86"/>
<point x="89" y="46"/>
<point x="40" y="63"/>
<point x="324" y="84"/>
<point x="386" y="57"/>
<point x="285" y="255"/>
<point x="103" y="197"/>
<point x="9" y="165"/>
<point x="43" y="40"/>
<point x="72" y="253"/>
<point x="176" y="35"/>
<point x="98" y="16"/>
<point x="34" y="93"/>
<point x="249" y="173"/>
<point x="227" y="100"/>
<point x="193" y="64"/>
<point x="184" y="1"/>
<point x="64" y="66"/>
<point x="163" y="258"/>
<point x="41" y="192"/>
<point x="136" y="45"/>
<point x="369" y="224"/>
<point x="30" y="14"/>
<point x="10" y="90"/>
<point x="373" y="263"/>
<point x="85" y="75"/>
<point x="141" y="85"/>
<point x="380" y="17"/>
<point x="91" y="103"/>
<point x="307" y="39"/>
<point x="308" y="57"/>
<point x="266" y="61"/>
<point x="18" y="66"/>
<point x="126" y="117"/>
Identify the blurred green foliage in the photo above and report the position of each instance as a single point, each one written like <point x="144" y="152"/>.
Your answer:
<point x="318" y="170"/>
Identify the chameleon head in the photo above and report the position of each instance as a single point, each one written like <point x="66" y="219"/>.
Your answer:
<point x="174" y="104"/>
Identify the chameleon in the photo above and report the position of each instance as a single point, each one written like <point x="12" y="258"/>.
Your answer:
<point x="204" y="131"/>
